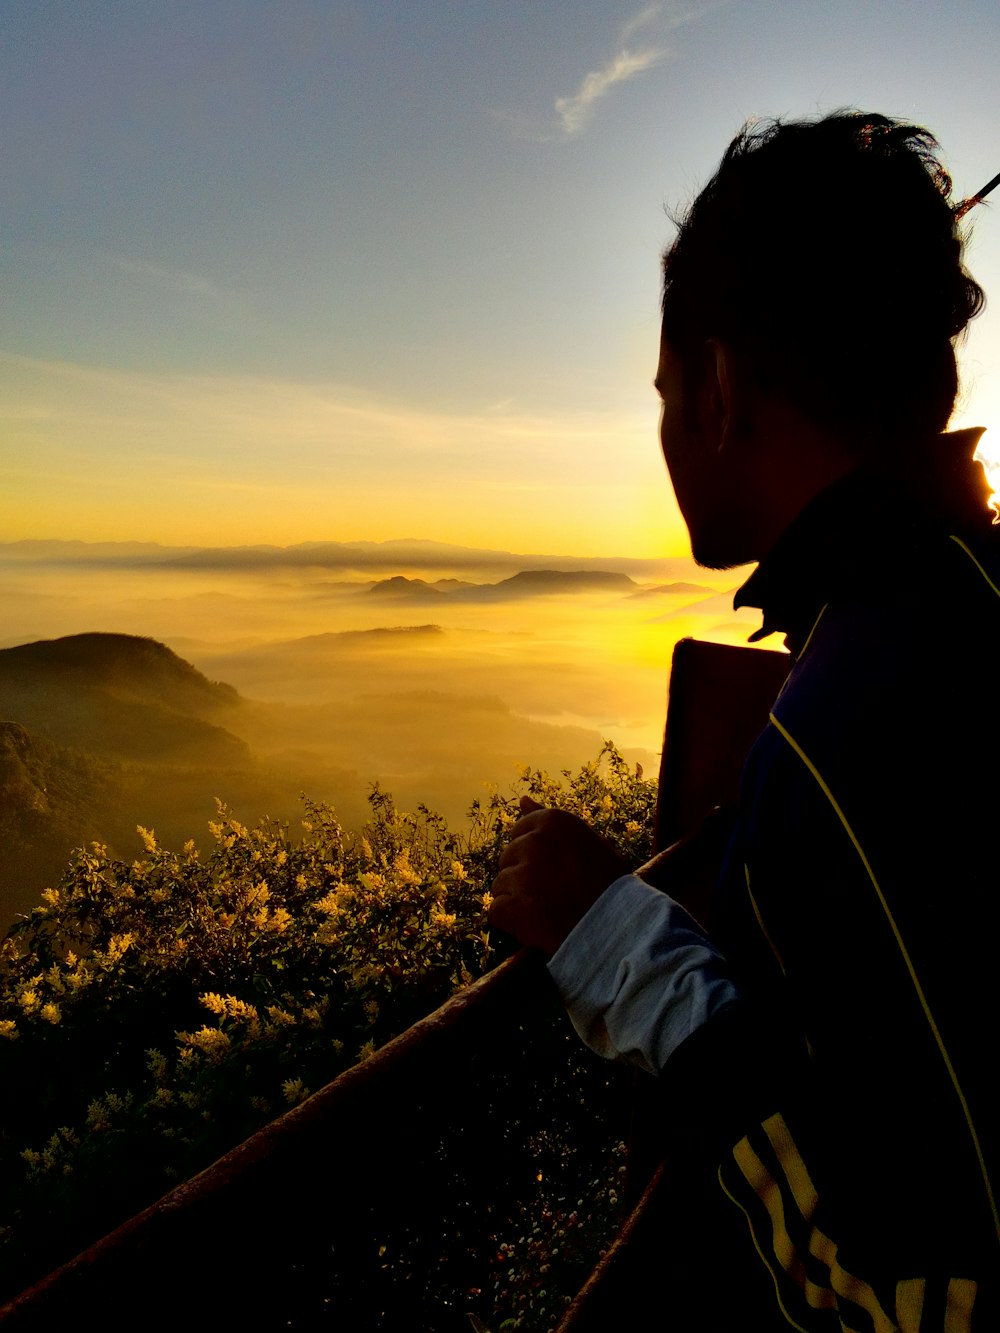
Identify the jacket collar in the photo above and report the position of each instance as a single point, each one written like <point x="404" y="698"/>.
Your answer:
<point x="867" y="525"/>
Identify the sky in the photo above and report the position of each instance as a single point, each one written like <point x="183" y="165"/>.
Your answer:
<point x="337" y="271"/>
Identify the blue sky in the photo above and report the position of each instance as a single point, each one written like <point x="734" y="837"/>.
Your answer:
<point x="330" y="270"/>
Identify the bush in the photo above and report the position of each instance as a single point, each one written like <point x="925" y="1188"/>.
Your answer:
<point x="154" y="1014"/>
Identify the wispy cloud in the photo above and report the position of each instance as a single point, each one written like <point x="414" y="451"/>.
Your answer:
<point x="172" y="279"/>
<point x="653" y="22"/>
<point x="641" y="44"/>
<point x="574" y="111"/>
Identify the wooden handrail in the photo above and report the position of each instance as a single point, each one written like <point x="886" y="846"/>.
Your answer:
<point x="331" y="1205"/>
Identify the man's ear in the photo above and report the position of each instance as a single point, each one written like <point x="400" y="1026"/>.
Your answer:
<point x="727" y="384"/>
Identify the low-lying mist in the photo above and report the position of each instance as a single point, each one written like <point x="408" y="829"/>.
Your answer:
<point x="431" y="670"/>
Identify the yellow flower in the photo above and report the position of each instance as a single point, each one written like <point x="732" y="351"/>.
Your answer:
<point x="97" y="1116"/>
<point x="51" y="1013"/>
<point x="280" y="919"/>
<point x="148" y="838"/>
<point x="294" y="1090"/>
<point x="156" y="1064"/>
<point x="79" y="977"/>
<point x="119" y="945"/>
<point x="8" y="1029"/>
<point x="404" y="870"/>
<point x="212" y="1042"/>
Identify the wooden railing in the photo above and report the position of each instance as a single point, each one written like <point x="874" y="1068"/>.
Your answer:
<point x="382" y="1201"/>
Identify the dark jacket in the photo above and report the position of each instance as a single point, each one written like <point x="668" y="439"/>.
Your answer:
<point x="850" y="1103"/>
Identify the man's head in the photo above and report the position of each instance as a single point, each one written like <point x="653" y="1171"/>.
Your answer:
<point x="820" y="269"/>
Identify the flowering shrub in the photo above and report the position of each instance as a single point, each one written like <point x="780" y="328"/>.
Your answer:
<point x="154" y="1014"/>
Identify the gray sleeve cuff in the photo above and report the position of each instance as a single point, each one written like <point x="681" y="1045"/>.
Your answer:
<point x="638" y="975"/>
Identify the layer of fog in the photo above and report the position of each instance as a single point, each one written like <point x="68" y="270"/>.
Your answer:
<point x="432" y="688"/>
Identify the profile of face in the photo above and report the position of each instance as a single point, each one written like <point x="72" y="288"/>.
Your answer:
<point x="694" y="428"/>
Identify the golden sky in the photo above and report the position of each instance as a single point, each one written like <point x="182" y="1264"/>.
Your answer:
<point x="342" y="271"/>
<point x="115" y="455"/>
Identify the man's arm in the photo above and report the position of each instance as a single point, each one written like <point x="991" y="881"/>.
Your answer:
<point x="636" y="972"/>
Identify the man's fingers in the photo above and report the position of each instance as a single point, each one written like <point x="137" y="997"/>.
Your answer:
<point x="525" y="823"/>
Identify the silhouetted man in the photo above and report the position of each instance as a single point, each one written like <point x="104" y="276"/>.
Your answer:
<point x="828" y="1039"/>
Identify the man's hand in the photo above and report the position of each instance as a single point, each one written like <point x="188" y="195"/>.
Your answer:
<point x="552" y="870"/>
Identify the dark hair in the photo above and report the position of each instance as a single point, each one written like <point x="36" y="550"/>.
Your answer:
<point x="828" y="251"/>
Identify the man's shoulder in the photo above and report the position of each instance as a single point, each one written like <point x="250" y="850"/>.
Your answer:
<point x="895" y="632"/>
<point x="888" y="698"/>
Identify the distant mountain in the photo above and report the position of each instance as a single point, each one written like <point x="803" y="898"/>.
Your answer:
<point x="129" y="665"/>
<point x="101" y="732"/>
<point x="525" y="583"/>
<point x="341" y="640"/>
<point x="567" y="580"/>
<point x="62" y="552"/>
<point x="116" y="694"/>
<point x="670" y="588"/>
<point x="411" y="554"/>
<point x="402" y="589"/>
<point x="547" y="583"/>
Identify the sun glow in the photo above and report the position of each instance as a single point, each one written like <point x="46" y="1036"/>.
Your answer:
<point x="990" y="459"/>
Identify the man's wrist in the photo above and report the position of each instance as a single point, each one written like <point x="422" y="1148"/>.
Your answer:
<point x="638" y="974"/>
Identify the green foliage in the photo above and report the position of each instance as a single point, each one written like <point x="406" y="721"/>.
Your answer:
<point x="154" y="1014"/>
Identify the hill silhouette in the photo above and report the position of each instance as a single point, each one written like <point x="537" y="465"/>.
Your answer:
<point x="525" y="583"/>
<point x="104" y="732"/>
<point x="116" y="694"/>
<point x="401" y="588"/>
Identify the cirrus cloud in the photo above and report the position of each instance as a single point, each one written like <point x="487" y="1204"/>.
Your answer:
<point x="574" y="111"/>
